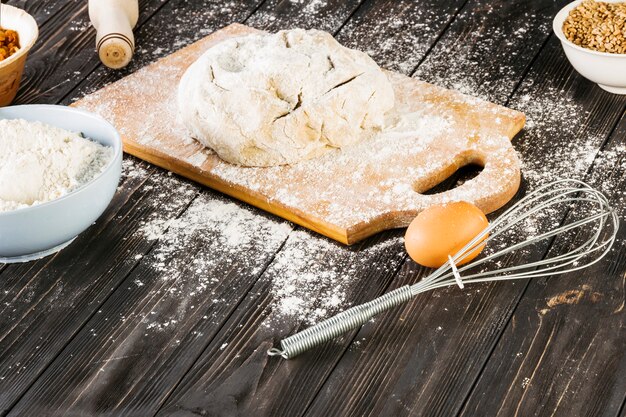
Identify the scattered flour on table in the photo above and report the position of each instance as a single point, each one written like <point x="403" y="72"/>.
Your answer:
<point x="213" y="245"/>
<point x="609" y="168"/>
<point x="229" y="228"/>
<point x="469" y="71"/>
<point x="310" y="279"/>
<point x="40" y="163"/>
<point x="309" y="14"/>
<point x="550" y="114"/>
<point x="314" y="278"/>
<point x="133" y="168"/>
<point x="396" y="36"/>
<point x="311" y="7"/>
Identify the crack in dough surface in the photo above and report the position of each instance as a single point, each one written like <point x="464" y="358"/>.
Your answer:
<point x="275" y="99"/>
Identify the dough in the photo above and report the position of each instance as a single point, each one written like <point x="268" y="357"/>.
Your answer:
<point x="273" y="99"/>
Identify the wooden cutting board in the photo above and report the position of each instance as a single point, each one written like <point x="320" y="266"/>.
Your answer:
<point x="346" y="195"/>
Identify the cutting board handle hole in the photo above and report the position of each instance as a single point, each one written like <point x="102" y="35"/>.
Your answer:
<point x="458" y="178"/>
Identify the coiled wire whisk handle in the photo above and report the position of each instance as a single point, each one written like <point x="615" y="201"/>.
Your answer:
<point x="339" y="324"/>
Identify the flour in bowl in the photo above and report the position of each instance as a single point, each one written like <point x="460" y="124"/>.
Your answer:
<point x="40" y="163"/>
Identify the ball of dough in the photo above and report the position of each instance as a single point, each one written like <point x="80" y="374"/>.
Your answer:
<point x="273" y="99"/>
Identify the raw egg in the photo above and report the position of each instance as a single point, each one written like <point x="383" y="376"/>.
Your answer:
<point x="443" y="230"/>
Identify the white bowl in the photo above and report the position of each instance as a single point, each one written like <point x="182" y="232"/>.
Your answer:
<point x="606" y="69"/>
<point x="43" y="229"/>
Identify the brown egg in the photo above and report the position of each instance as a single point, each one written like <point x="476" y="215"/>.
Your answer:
<point x="443" y="230"/>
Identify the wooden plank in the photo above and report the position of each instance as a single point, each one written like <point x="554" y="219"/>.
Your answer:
<point x="480" y="57"/>
<point x="29" y="334"/>
<point x="46" y="303"/>
<point x="42" y="11"/>
<point x="148" y="333"/>
<point x="429" y="363"/>
<point x="275" y="15"/>
<point x="137" y="386"/>
<point x="398" y="34"/>
<point x="563" y="353"/>
<point x="310" y="278"/>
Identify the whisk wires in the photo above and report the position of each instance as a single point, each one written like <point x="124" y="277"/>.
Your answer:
<point x="570" y="192"/>
<point x="597" y="229"/>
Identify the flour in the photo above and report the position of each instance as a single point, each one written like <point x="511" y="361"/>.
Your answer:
<point x="40" y="163"/>
<point x="313" y="278"/>
<point x="493" y="77"/>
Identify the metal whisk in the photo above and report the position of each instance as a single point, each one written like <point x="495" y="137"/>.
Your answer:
<point x="597" y="230"/>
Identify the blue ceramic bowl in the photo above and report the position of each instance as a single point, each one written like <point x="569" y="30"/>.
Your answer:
<point x="43" y="229"/>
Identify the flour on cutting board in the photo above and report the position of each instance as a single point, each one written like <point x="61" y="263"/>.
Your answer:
<point x="397" y="138"/>
<point x="341" y="193"/>
<point x="354" y="164"/>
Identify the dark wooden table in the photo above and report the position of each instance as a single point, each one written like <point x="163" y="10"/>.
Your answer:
<point x="155" y="310"/>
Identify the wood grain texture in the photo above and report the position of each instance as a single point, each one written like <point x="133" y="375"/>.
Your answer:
<point x="496" y="55"/>
<point x="44" y="307"/>
<point x="564" y="327"/>
<point x="274" y="15"/>
<point x="399" y="34"/>
<point x="331" y="194"/>
<point x="431" y="366"/>
<point x="401" y="364"/>
<point x="163" y="313"/>
<point x="235" y="377"/>
<point x="144" y="399"/>
<point x="65" y="51"/>
<point x="42" y="11"/>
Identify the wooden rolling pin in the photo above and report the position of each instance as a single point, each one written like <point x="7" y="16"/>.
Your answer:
<point x="114" y="21"/>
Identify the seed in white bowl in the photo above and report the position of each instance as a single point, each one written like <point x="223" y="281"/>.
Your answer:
<point x="599" y="26"/>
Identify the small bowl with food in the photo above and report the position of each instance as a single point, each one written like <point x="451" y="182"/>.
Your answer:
<point x="59" y="170"/>
<point x="593" y="36"/>
<point x="18" y="33"/>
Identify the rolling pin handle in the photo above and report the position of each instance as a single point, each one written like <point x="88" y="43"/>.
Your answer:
<point x="114" y="21"/>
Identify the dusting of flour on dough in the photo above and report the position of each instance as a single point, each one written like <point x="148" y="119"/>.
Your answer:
<point x="274" y="99"/>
